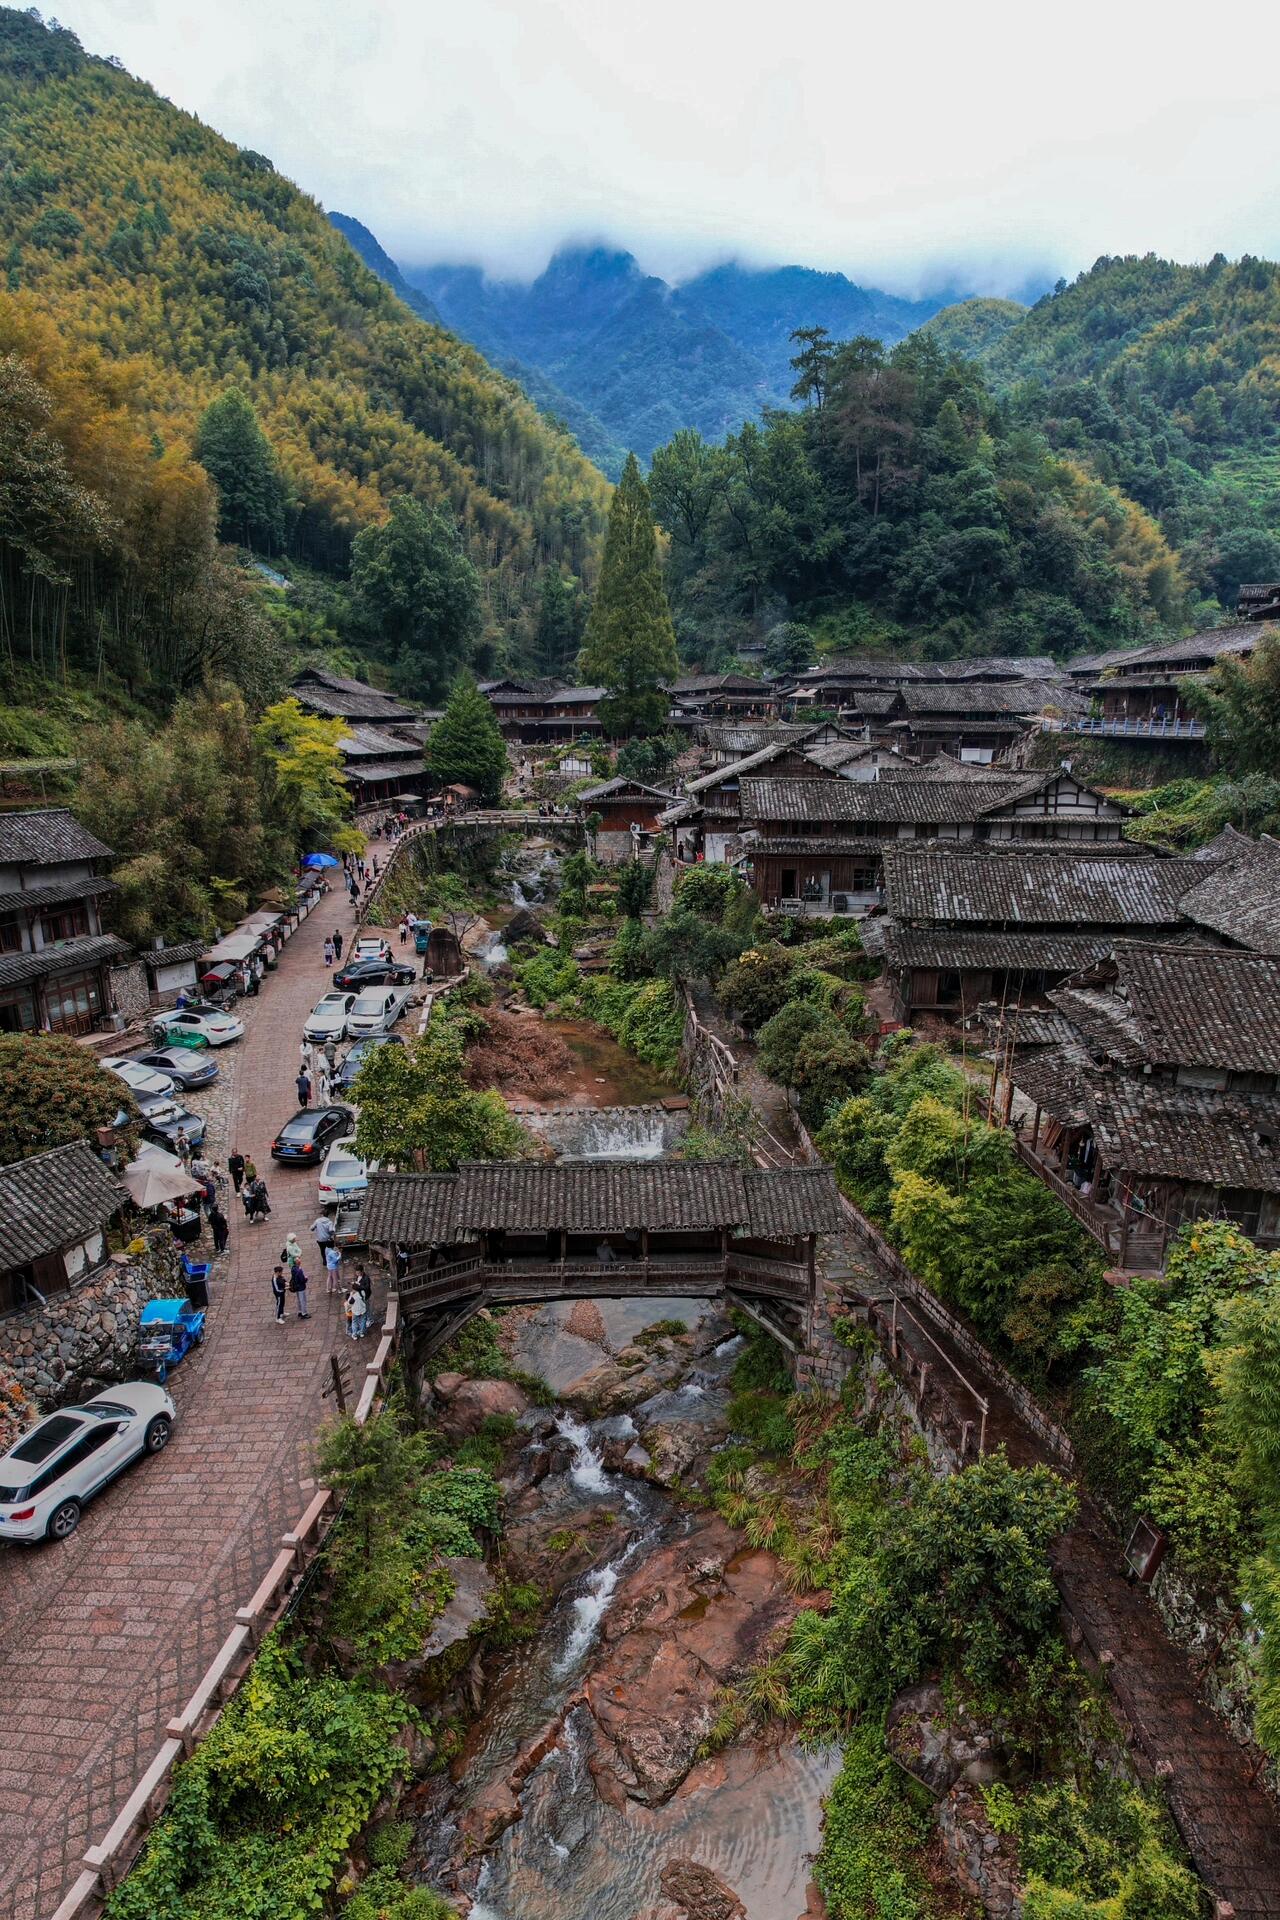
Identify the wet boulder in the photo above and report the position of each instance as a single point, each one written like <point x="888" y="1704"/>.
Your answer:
<point x="524" y="929"/>
<point x="699" y="1894"/>
<point x="475" y="1401"/>
<point x="938" y="1744"/>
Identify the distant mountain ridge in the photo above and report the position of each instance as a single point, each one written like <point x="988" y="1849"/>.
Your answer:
<point x="647" y="358"/>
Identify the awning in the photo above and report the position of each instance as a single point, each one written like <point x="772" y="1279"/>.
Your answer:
<point x="236" y="947"/>
<point x="153" y="1183"/>
<point x="222" y="972"/>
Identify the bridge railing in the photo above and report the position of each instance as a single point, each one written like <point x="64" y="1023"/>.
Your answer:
<point x="669" y="1273"/>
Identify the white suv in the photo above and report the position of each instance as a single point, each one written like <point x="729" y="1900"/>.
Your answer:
<point x="47" y="1476"/>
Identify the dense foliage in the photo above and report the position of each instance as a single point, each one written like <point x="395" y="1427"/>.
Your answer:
<point x="262" y="1814"/>
<point x="416" y="1110"/>
<point x="904" y="498"/>
<point x="53" y="1091"/>
<point x="630" y="647"/>
<point x="465" y="745"/>
<point x="196" y="269"/>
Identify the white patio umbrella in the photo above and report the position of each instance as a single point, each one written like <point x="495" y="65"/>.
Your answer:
<point x="153" y="1184"/>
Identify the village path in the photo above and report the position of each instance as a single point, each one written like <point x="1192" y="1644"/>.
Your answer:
<point x="103" y="1638"/>
<point x="1228" y="1821"/>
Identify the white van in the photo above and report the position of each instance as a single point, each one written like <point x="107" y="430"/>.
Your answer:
<point x="376" y="1011"/>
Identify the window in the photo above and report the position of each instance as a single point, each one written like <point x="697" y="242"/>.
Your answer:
<point x="18" y="1011"/>
<point x="47" y="1438"/>
<point x="74" y="1002"/>
<point x="11" y="935"/>
<point x="66" y="923"/>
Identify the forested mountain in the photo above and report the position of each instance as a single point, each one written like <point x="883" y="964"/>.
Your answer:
<point x="1166" y="379"/>
<point x="972" y="327"/>
<point x="903" y="506"/>
<point x="647" y="358"/>
<point x="594" y="439"/>
<point x="153" y="267"/>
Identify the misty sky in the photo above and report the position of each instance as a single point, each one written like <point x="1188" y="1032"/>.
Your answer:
<point x="904" y="145"/>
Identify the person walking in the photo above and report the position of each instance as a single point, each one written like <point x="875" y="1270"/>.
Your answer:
<point x="322" y="1231"/>
<point x="333" y="1267"/>
<point x="291" y="1252"/>
<point x="256" y="1202"/>
<point x="328" y="953"/>
<point x="303" y="1084"/>
<point x="218" y="1224"/>
<point x="182" y="1147"/>
<point x="404" y="931"/>
<point x="331" y="1055"/>
<point x="337" y="942"/>
<point x="298" y="1287"/>
<point x="308" y="1058"/>
<point x="362" y="1288"/>
<point x="250" y="1171"/>
<point x="235" y="1167"/>
<point x="324" y="1091"/>
<point x="278" y="1291"/>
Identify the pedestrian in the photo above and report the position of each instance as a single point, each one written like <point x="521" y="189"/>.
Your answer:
<point x="235" y="1167"/>
<point x="404" y="930"/>
<point x="331" y="1055"/>
<point x="308" y="1060"/>
<point x="323" y="1089"/>
<point x="411" y="921"/>
<point x="298" y="1287"/>
<point x="250" y="1171"/>
<point x="363" y="1292"/>
<point x="303" y="1084"/>
<point x="337" y="941"/>
<point x="221" y="1231"/>
<point x="328" y="953"/>
<point x="291" y="1251"/>
<point x="375" y="866"/>
<point x="257" y="1204"/>
<point x="322" y="1230"/>
<point x="278" y="1291"/>
<point x="182" y="1146"/>
<point x="333" y="1266"/>
<point x="209" y="1192"/>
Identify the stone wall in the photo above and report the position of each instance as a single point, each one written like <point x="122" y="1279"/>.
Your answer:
<point x="87" y="1338"/>
<point x="130" y="994"/>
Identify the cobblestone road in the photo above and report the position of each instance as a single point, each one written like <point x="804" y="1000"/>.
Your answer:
<point x="103" y="1638"/>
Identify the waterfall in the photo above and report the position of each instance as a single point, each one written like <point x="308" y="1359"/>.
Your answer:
<point x="519" y="898"/>
<point x="588" y="1611"/>
<point x="587" y="1470"/>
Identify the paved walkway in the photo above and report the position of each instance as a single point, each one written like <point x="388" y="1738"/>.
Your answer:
<point x="1229" y="1822"/>
<point x="103" y="1639"/>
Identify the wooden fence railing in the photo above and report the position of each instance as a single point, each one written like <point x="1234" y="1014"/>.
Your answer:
<point x="107" y="1863"/>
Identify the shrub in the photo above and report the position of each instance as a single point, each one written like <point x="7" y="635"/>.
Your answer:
<point x="627" y="957"/>
<point x="871" y="1864"/>
<point x="707" y="890"/>
<point x="547" y="977"/>
<point x="780" y="1037"/>
<point x="756" y="985"/>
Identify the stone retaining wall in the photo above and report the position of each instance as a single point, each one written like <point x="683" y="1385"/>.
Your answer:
<point x="89" y="1337"/>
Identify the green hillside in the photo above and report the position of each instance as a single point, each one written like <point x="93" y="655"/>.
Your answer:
<point x="1166" y="379"/>
<point x="971" y="328"/>
<point x="151" y="266"/>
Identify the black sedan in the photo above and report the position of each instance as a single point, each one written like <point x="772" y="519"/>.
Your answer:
<point x="357" y="1056"/>
<point x="163" y="1120"/>
<point x="358" y="974"/>
<point x="305" y="1140"/>
<point x="183" y="1064"/>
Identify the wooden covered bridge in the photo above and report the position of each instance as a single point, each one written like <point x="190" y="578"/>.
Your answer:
<point x="500" y="1232"/>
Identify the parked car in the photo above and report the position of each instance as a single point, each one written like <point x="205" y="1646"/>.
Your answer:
<point x="161" y="1120"/>
<point x="47" y="1476"/>
<point x="215" y="1029"/>
<point x="359" y="974"/>
<point x="144" y="1082"/>
<point x="358" y="1054"/>
<point x="188" y="1069"/>
<point x="327" y="1020"/>
<point x="304" y="1140"/>
<point x="372" y="947"/>
<point x="343" y="1174"/>
<point x="376" y="1011"/>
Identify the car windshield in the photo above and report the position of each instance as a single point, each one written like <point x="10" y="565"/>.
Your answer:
<point x="370" y="1003"/>
<point x="301" y="1127"/>
<point x="343" y="1167"/>
<point x="43" y="1441"/>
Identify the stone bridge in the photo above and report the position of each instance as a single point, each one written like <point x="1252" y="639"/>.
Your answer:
<point x="498" y="1233"/>
<point x="464" y="826"/>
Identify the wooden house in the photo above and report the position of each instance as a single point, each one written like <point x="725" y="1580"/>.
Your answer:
<point x="55" y="960"/>
<point x="629" y="812"/>
<point x="54" y="1210"/>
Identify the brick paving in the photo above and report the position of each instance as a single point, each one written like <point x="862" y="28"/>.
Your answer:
<point x="103" y="1638"/>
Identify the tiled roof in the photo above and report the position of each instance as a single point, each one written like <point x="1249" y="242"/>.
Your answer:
<point x="909" y="802"/>
<point x="366" y="742"/>
<point x="761" y="758"/>
<point x="745" y="738"/>
<point x="600" y="1196"/>
<point x="330" y="693"/>
<point x="45" y="837"/>
<point x="88" y="951"/>
<point x="1103" y="1019"/>
<point x="986" y="697"/>
<point x="55" y="894"/>
<point x="1240" y="899"/>
<point x="1213" y="644"/>
<point x="1029" y="949"/>
<point x="1202" y="1006"/>
<point x="409" y="1209"/>
<point x="718" y="683"/>
<point x="1024" y="1026"/>
<point x="53" y="1199"/>
<point x="619" y="786"/>
<point x="384" y="769"/>
<point x="1053" y="886"/>
<point x="1173" y="1133"/>
<point x="171" y="956"/>
<point x="574" y="696"/>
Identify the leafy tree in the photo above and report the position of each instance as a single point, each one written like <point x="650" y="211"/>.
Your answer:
<point x="307" y="791"/>
<point x="236" y="454"/>
<point x="707" y="890"/>
<point x="649" y="759"/>
<point x="635" y="888"/>
<point x="789" y="648"/>
<point x="1245" y="1369"/>
<point x="778" y="1040"/>
<point x="1241" y="707"/>
<point x="829" y="1065"/>
<point x="684" y="947"/>
<point x="757" y="984"/>
<point x="562" y="613"/>
<point x="416" y="1110"/>
<point x="52" y="1091"/>
<point x="630" y="645"/>
<point x="465" y="747"/>
<point x="416" y="591"/>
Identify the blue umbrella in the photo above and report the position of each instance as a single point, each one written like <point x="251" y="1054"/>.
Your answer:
<point x="321" y="860"/>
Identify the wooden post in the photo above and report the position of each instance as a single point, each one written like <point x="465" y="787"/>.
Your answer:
<point x="982" y="1435"/>
<point x="1035" y="1132"/>
<point x="893" y="1329"/>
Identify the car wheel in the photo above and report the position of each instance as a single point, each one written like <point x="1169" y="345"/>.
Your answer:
<point x="63" y="1521"/>
<point x="158" y="1431"/>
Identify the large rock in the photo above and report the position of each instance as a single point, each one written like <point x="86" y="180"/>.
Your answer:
<point x="688" y="1622"/>
<point x="936" y="1743"/>
<point x="674" y="1448"/>
<point x="476" y="1401"/>
<point x="524" y="929"/>
<point x="698" y="1893"/>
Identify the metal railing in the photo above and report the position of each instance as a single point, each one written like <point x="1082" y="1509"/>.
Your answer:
<point x="1131" y="726"/>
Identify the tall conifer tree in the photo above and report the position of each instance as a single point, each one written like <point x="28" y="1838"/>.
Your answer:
<point x="630" y="647"/>
<point x="465" y="744"/>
